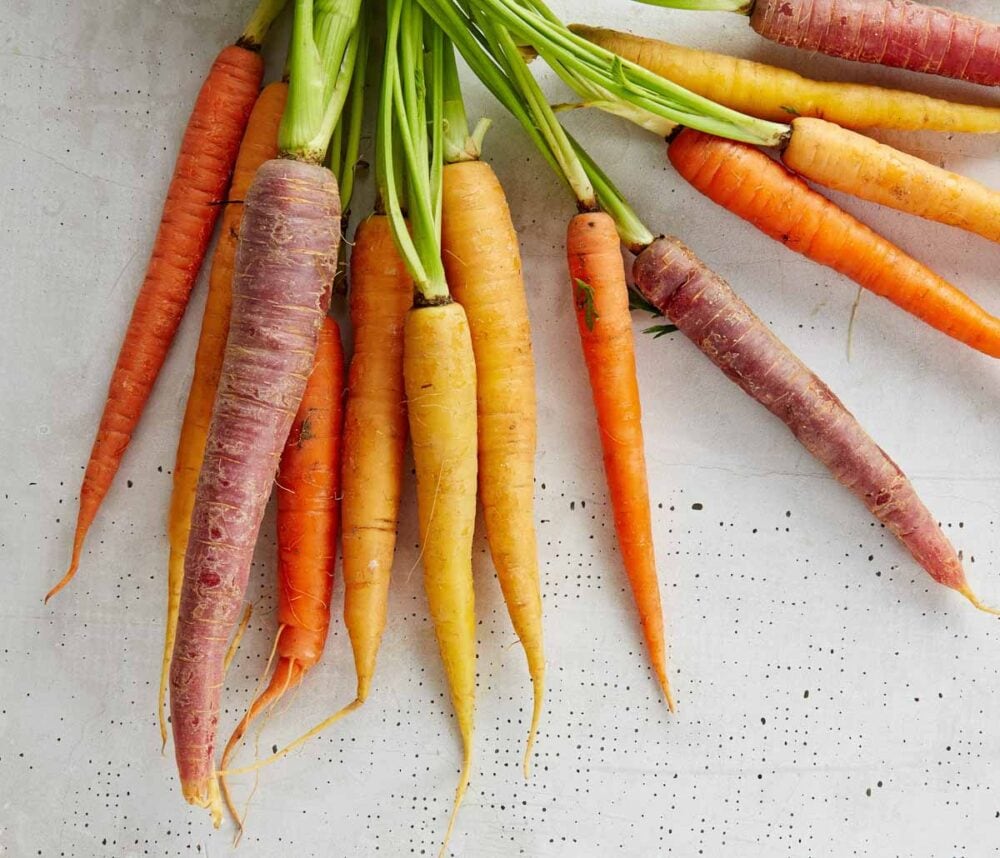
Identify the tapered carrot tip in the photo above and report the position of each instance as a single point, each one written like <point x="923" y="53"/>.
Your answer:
<point x="463" y="785"/>
<point x="966" y="591"/>
<point x="668" y="696"/>
<point x="74" y="564"/>
<point x="538" y="686"/>
<point x="205" y="794"/>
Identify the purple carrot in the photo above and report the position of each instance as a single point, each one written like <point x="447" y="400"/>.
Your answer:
<point x="285" y="263"/>
<point x="899" y="33"/>
<point x="704" y="307"/>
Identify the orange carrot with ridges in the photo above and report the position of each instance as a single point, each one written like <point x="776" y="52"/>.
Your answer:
<point x="749" y="183"/>
<point x="201" y="175"/>
<point x="374" y="437"/>
<point x="604" y="321"/>
<point x="259" y="145"/>
<point x="308" y="488"/>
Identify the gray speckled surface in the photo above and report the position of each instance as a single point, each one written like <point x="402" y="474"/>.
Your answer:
<point x="832" y="700"/>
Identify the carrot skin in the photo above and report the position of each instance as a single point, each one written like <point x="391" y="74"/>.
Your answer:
<point x="308" y="490"/>
<point x="855" y="164"/>
<point x="750" y="184"/>
<point x="604" y="321"/>
<point x="704" y="307"/>
<point x="285" y="263"/>
<point x="201" y="175"/>
<point x="381" y="293"/>
<point x="259" y="145"/>
<point x="899" y="33"/>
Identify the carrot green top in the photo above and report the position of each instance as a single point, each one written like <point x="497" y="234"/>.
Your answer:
<point x="345" y="146"/>
<point x="252" y="37"/>
<point x="743" y="7"/>
<point x="618" y="85"/>
<point x="410" y="144"/>
<point x="502" y="68"/>
<point x="321" y="60"/>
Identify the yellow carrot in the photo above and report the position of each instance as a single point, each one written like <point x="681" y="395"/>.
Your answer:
<point x="483" y="265"/>
<point x="778" y="94"/>
<point x="850" y="162"/>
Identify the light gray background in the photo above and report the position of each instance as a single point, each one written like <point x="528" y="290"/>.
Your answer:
<point x="832" y="700"/>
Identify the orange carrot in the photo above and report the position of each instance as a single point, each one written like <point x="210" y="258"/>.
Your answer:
<point x="749" y="183"/>
<point x="602" y="310"/>
<point x="259" y="145"/>
<point x="374" y="437"/>
<point x="308" y="488"/>
<point x="201" y="176"/>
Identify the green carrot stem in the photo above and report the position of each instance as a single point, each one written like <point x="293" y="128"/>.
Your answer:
<point x="254" y="33"/>
<point x="743" y="7"/>
<point x="625" y="81"/>
<point x="402" y="115"/>
<point x="317" y="85"/>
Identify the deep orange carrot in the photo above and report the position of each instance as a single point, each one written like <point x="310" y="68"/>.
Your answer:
<point x="308" y="488"/>
<point x="602" y="311"/>
<point x="757" y="188"/>
<point x="259" y="145"/>
<point x="201" y="176"/>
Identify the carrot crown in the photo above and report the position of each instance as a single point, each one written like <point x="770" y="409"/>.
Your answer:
<point x="410" y="144"/>
<point x="321" y="60"/>
<point x="492" y="53"/>
<point x="252" y="37"/>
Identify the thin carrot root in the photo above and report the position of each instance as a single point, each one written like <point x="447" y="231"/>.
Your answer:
<point x="353" y="706"/>
<point x="234" y="644"/>
<point x="460" y="790"/>
<point x="966" y="591"/>
<point x="538" y="689"/>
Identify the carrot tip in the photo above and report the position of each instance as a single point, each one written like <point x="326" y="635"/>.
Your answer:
<point x="966" y="591"/>
<point x="538" y="684"/>
<point x="463" y="785"/>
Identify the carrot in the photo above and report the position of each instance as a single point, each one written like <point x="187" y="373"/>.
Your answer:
<point x="483" y="265"/>
<point x="259" y="145"/>
<point x="850" y="162"/>
<point x="439" y="368"/>
<point x="201" y="175"/>
<point x="901" y="33"/>
<point x="750" y="184"/>
<point x="774" y="93"/>
<point x="374" y="438"/>
<point x="308" y="492"/>
<point x="285" y="262"/>
<point x="605" y="324"/>
<point x="703" y="306"/>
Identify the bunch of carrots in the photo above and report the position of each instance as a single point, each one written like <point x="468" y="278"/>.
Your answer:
<point x="442" y="342"/>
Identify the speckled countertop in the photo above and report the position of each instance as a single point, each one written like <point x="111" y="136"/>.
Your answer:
<point x="832" y="700"/>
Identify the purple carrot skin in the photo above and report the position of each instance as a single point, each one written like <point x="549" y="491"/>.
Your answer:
<point x="286" y="260"/>
<point x="704" y="307"/>
<point x="898" y="33"/>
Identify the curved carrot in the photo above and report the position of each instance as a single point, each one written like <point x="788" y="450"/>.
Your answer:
<point x="899" y="33"/>
<point x="374" y="437"/>
<point x="308" y="491"/>
<point x="850" y="162"/>
<point x="706" y="310"/>
<point x="603" y="318"/>
<point x="758" y="189"/>
<point x="201" y="175"/>
<point x="482" y="262"/>
<point x="285" y="263"/>
<point x="439" y="370"/>
<point x="260" y="144"/>
<point x="778" y="94"/>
